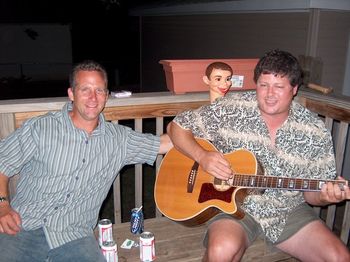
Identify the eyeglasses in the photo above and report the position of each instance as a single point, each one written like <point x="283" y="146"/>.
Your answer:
<point x="86" y="91"/>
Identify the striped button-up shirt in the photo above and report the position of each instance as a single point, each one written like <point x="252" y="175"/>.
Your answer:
<point x="65" y="174"/>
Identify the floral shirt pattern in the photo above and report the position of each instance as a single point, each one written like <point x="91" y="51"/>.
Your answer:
<point x="303" y="148"/>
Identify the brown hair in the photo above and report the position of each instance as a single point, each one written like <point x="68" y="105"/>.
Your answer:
<point x="282" y="63"/>
<point x="217" y="65"/>
<point x="87" y="65"/>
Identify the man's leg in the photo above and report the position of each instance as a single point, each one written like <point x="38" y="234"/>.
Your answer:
<point x="228" y="238"/>
<point x="26" y="246"/>
<point x="315" y="242"/>
<point x="85" y="249"/>
<point x="307" y="238"/>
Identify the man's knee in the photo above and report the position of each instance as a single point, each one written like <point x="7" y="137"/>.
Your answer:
<point x="338" y="253"/>
<point x="25" y="246"/>
<point x="225" y="250"/>
<point x="227" y="240"/>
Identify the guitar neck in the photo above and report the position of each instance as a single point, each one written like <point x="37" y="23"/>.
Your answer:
<point x="265" y="182"/>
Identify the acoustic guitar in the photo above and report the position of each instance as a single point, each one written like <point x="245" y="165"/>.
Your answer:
<point x="185" y="193"/>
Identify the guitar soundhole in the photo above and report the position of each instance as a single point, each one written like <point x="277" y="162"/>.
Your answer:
<point x="208" y="192"/>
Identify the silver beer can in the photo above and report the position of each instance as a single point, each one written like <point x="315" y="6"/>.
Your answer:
<point x="147" y="247"/>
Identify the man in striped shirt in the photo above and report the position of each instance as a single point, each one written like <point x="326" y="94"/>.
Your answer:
<point x="66" y="162"/>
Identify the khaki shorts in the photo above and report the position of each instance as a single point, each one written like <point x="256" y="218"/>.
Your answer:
<point x="297" y="219"/>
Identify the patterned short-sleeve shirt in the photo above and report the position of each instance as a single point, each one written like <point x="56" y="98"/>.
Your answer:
<point x="303" y="149"/>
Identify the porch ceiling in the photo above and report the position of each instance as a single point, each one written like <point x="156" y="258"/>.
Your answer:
<point x="192" y="7"/>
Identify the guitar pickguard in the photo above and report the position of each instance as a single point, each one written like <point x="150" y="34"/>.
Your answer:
<point x="208" y="192"/>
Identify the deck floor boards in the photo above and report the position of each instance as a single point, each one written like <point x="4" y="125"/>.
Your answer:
<point x="175" y="242"/>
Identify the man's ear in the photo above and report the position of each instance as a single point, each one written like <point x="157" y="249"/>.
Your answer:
<point x="206" y="80"/>
<point x="70" y="94"/>
<point x="295" y="90"/>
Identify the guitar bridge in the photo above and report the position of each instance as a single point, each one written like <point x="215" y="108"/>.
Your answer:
<point x="192" y="177"/>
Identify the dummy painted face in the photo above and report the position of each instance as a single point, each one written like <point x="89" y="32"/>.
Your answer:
<point x="219" y="82"/>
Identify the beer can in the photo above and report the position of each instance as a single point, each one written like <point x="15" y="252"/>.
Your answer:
<point x="136" y="221"/>
<point x="110" y="251"/>
<point x="147" y="247"/>
<point x="104" y="231"/>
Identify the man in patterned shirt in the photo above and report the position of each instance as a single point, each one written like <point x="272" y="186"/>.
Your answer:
<point x="288" y="141"/>
<point x="66" y="162"/>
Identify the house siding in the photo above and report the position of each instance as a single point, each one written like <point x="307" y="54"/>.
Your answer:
<point x="332" y="48"/>
<point x="242" y="35"/>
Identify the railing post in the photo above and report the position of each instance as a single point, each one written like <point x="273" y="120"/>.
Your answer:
<point x="117" y="200"/>
<point x="339" y="156"/>
<point x="117" y="206"/>
<point x="345" y="229"/>
<point x="159" y="131"/>
<point x="138" y="171"/>
<point x="7" y="124"/>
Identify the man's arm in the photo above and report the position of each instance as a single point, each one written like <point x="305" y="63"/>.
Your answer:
<point x="212" y="162"/>
<point x="165" y="144"/>
<point x="329" y="194"/>
<point x="10" y="220"/>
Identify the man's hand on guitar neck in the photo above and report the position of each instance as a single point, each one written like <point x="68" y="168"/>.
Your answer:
<point x="330" y="193"/>
<point x="333" y="193"/>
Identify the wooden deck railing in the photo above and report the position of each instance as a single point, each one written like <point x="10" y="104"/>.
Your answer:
<point x="163" y="105"/>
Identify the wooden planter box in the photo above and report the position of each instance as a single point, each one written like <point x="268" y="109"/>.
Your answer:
<point x="184" y="76"/>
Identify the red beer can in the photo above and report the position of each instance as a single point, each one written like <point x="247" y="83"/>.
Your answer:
<point x="147" y="247"/>
<point x="110" y="251"/>
<point x="104" y="231"/>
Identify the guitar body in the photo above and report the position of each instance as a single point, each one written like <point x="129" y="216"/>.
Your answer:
<point x="193" y="199"/>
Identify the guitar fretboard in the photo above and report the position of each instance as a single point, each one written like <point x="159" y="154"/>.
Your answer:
<point x="297" y="184"/>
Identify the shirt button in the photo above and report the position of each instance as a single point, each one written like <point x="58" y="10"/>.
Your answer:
<point x="86" y="142"/>
<point x="76" y="178"/>
<point x="68" y="195"/>
<point x="84" y="160"/>
<point x="56" y="208"/>
<point x="45" y="220"/>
